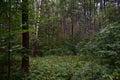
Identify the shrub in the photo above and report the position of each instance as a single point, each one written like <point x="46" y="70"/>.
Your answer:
<point x="104" y="48"/>
<point x="108" y="44"/>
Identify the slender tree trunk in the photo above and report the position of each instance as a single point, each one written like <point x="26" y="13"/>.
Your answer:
<point x="72" y="31"/>
<point x="34" y="41"/>
<point x="94" y="21"/>
<point x="104" y="6"/>
<point x="90" y="19"/>
<point x="101" y="10"/>
<point x="85" y="19"/>
<point x="35" y="5"/>
<point x="9" y="43"/>
<point x="25" y="37"/>
<point x="72" y="19"/>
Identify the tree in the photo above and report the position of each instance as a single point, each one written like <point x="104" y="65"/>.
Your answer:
<point x="25" y="37"/>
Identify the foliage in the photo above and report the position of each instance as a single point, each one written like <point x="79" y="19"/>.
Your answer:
<point x="105" y="47"/>
<point x="15" y="71"/>
<point x="108" y="44"/>
<point x="97" y="59"/>
<point x="67" y="68"/>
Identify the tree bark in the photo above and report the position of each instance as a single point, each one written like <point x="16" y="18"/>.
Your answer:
<point x="25" y="37"/>
<point x="34" y="41"/>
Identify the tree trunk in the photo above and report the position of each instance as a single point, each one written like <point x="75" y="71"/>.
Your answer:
<point x="9" y="43"/>
<point x="25" y="37"/>
<point x="34" y="41"/>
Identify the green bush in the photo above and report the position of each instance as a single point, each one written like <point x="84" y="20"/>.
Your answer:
<point x="105" y="46"/>
<point x="108" y="44"/>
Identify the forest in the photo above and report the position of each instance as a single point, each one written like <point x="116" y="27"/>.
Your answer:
<point x="59" y="39"/>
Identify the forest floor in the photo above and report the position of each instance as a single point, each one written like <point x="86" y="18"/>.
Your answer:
<point x="58" y="67"/>
<point x="53" y="61"/>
